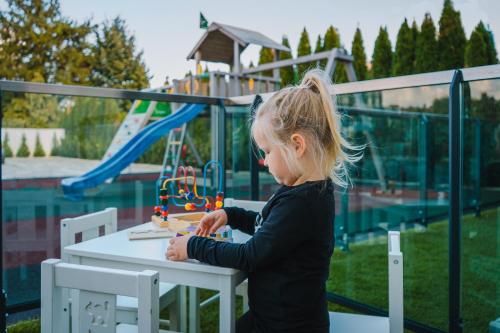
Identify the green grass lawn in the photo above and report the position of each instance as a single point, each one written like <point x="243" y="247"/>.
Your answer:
<point x="361" y="274"/>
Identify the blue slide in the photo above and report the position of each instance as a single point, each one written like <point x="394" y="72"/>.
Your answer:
<point x="73" y="187"/>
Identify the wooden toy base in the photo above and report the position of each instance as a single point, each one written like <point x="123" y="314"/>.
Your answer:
<point x="178" y="222"/>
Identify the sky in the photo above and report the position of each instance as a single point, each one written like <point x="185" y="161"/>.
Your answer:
<point x="167" y="30"/>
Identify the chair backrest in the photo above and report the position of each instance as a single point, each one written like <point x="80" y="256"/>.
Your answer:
<point x="395" y="258"/>
<point x="94" y="296"/>
<point x="88" y="225"/>
<point x="256" y="206"/>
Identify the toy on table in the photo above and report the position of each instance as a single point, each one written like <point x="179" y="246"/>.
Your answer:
<point x="177" y="191"/>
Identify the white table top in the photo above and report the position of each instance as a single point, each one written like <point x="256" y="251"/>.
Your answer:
<point x="117" y="247"/>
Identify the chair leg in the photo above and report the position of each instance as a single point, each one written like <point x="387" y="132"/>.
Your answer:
<point x="174" y="311"/>
<point x="242" y="290"/>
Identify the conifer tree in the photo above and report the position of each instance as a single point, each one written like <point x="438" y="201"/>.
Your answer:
<point x="490" y="43"/>
<point x="476" y="53"/>
<point x="39" y="152"/>
<point x="317" y="49"/>
<point x="37" y="41"/>
<point x="405" y="51"/>
<point x="382" y="55"/>
<point x="451" y="41"/>
<point x="426" y="54"/>
<point x="303" y="49"/>
<point x="319" y="45"/>
<point x="54" y="151"/>
<point x="286" y="73"/>
<point x="117" y="63"/>
<point x="23" y="150"/>
<point x="358" y="53"/>
<point x="7" y="151"/>
<point x="415" y="32"/>
<point x="266" y="56"/>
<point x="331" y="40"/>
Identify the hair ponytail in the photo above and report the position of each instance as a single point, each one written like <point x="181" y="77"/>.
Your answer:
<point x="308" y="108"/>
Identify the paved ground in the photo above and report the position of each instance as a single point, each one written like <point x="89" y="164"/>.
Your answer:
<point x="57" y="167"/>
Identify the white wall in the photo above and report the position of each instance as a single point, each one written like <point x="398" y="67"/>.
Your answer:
<point x="46" y="135"/>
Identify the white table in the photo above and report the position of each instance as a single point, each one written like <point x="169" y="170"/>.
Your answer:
<point x="117" y="251"/>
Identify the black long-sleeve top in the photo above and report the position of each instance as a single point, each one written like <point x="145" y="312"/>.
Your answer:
<point x="287" y="259"/>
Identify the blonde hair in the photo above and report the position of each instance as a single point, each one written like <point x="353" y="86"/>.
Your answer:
<point x="308" y="109"/>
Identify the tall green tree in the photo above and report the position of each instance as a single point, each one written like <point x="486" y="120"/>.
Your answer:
<point x="489" y="41"/>
<point x="332" y="40"/>
<point x="382" y="55"/>
<point x="55" y="146"/>
<point x="404" y="55"/>
<point x="359" y="55"/>
<point x="451" y="41"/>
<point x="39" y="152"/>
<point x="426" y="53"/>
<point x="39" y="44"/>
<point x="317" y="49"/>
<point x="23" y="150"/>
<point x="415" y="32"/>
<point x="476" y="53"/>
<point x="286" y="73"/>
<point x="319" y="45"/>
<point x="303" y="49"/>
<point x="266" y="56"/>
<point x="117" y="62"/>
<point x="7" y="151"/>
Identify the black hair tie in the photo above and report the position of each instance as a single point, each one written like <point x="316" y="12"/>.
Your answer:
<point x="253" y="108"/>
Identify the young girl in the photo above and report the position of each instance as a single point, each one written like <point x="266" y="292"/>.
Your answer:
<point x="288" y="257"/>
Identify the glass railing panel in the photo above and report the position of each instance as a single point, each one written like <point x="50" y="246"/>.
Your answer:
<point x="238" y="152"/>
<point x="74" y="134"/>
<point x="480" y="223"/>
<point x="400" y="184"/>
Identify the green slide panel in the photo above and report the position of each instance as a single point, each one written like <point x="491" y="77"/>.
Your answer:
<point x="162" y="109"/>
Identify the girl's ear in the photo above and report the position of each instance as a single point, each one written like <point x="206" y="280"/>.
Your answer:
<point x="299" y="144"/>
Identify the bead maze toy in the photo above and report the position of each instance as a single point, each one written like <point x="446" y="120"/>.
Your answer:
<point x="178" y="192"/>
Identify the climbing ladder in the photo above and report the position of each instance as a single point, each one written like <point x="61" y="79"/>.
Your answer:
<point x="173" y="150"/>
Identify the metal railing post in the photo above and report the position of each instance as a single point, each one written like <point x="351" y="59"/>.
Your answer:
<point x="423" y="167"/>
<point x="3" y="305"/>
<point x="455" y="200"/>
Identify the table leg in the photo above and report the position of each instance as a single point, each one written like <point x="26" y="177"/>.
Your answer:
<point x="194" y="310"/>
<point x="227" y="316"/>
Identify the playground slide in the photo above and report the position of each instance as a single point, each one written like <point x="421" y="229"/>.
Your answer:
<point x="73" y="187"/>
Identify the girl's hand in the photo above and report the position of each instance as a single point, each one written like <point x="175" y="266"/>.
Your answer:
<point x="211" y="222"/>
<point x="177" y="250"/>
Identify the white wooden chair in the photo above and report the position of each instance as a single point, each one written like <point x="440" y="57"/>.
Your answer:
<point x="89" y="227"/>
<point x="242" y="289"/>
<point x="356" y="323"/>
<point x="94" y="291"/>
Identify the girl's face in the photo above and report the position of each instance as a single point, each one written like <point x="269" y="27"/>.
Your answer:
<point x="274" y="159"/>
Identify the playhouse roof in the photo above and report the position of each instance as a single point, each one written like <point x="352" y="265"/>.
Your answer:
<point x="216" y="44"/>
